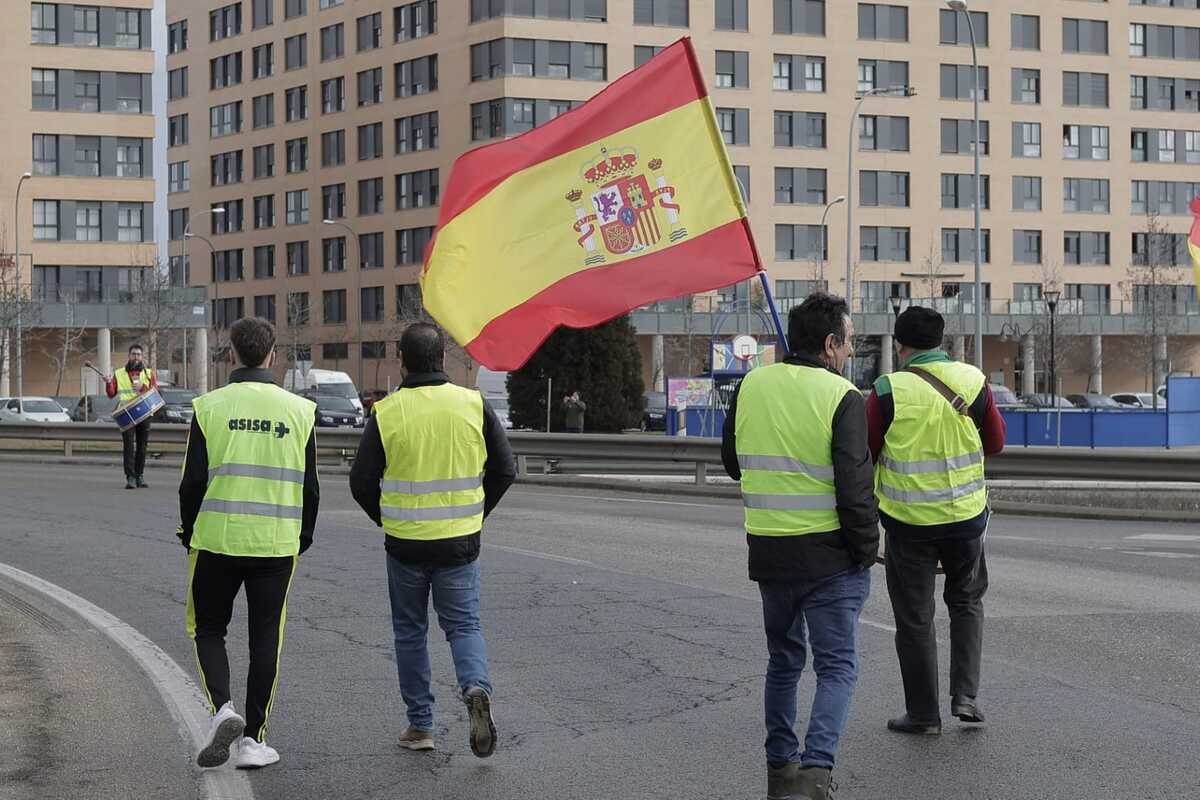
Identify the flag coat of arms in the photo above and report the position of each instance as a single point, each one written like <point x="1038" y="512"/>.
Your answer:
<point x="626" y="200"/>
<point x="1194" y="239"/>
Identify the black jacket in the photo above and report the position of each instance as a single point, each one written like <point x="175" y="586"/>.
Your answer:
<point x="499" y="472"/>
<point x="819" y="555"/>
<point x="195" y="473"/>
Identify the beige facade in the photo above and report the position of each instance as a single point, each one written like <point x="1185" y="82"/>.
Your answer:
<point x="919" y="247"/>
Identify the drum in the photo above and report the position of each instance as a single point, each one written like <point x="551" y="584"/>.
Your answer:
<point x="137" y="410"/>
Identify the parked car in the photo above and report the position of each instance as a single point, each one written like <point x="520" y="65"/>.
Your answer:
<point x="322" y="381"/>
<point x="654" y="411"/>
<point x="1138" y="400"/>
<point x="335" y="411"/>
<point x="67" y="402"/>
<point x="499" y="404"/>
<point x="1004" y="396"/>
<point x="32" y="409"/>
<point x="1093" y="400"/>
<point x="94" y="408"/>
<point x="1047" y="401"/>
<point x="178" y="408"/>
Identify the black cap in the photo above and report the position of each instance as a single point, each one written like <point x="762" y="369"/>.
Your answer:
<point x="920" y="328"/>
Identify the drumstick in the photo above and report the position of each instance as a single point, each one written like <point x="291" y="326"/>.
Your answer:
<point x="89" y="365"/>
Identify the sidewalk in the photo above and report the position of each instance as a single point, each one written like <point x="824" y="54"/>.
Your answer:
<point x="77" y="717"/>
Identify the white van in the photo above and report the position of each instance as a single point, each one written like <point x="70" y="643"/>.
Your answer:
<point x="494" y="388"/>
<point x="322" y="381"/>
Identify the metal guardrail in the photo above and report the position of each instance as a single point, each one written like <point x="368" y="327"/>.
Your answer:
<point x="1023" y="463"/>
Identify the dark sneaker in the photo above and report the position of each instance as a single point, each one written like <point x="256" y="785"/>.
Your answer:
<point x="814" y="783"/>
<point x="414" y="739"/>
<point x="907" y="724"/>
<point x="141" y="483"/>
<point x="130" y="482"/>
<point x="483" y="727"/>
<point x="966" y="709"/>
<point x="783" y="782"/>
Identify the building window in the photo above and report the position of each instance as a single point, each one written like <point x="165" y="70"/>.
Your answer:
<point x="87" y="222"/>
<point x="420" y="132"/>
<point x="129" y="222"/>
<point x="958" y="82"/>
<point x="417" y="189"/>
<point x="333" y="95"/>
<point x="45" y="220"/>
<point x="1026" y="32"/>
<point x="333" y="148"/>
<point x="1137" y="92"/>
<point x="297" y="155"/>
<point x="643" y="53"/>
<point x="129" y="28"/>
<point x="370" y="196"/>
<point x="1085" y="89"/>
<point x="177" y="37"/>
<point x="416" y="76"/>
<point x="1027" y="139"/>
<point x="333" y="201"/>
<point x="881" y="22"/>
<point x="225" y="22"/>
<point x="264" y="161"/>
<point x="417" y="20"/>
<point x="263" y="60"/>
<point x="333" y="42"/>
<point x="295" y="104"/>
<point x="1027" y="86"/>
<point x="1027" y="193"/>
<point x="295" y="51"/>
<point x="45" y="154"/>
<point x="263" y="111"/>
<point x="732" y="15"/>
<point x="297" y="258"/>
<point x="87" y="156"/>
<point x="129" y="160"/>
<point x="294" y="8"/>
<point x="410" y="246"/>
<point x="735" y="125"/>
<point x="227" y="266"/>
<point x="297" y="308"/>
<point x="371" y="303"/>
<point x="177" y="83"/>
<point x="262" y="13"/>
<point x="370" y="141"/>
<point x="264" y="261"/>
<point x="264" y="211"/>
<point x="1085" y="36"/>
<point x="370" y="32"/>
<point x="179" y="177"/>
<point x="225" y="120"/>
<point x="958" y="136"/>
<point x="45" y="89"/>
<point x="87" y="26"/>
<point x="670" y="13"/>
<point x="733" y="69"/>
<point x="370" y="87"/>
<point x="954" y="28"/>
<point x="333" y="302"/>
<point x="297" y="207"/>
<point x="177" y="130"/>
<point x="370" y="250"/>
<point x="45" y="23"/>
<point x="264" y="307"/>
<point x="1137" y="40"/>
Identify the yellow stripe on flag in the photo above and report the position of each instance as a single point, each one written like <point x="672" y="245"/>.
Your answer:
<point x="1194" y="249"/>
<point x="480" y="270"/>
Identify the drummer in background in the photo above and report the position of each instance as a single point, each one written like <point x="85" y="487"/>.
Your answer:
<point x="127" y="383"/>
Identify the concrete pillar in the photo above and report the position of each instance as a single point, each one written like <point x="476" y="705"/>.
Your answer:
<point x="104" y="351"/>
<point x="4" y="390"/>
<point x="886" y="355"/>
<point x="1096" y="378"/>
<point x="658" y="367"/>
<point x="1029" y="373"/>
<point x="1160" y="362"/>
<point x="200" y="359"/>
<point x="959" y="348"/>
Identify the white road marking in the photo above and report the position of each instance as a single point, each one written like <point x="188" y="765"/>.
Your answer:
<point x="1164" y="537"/>
<point x="536" y="554"/>
<point x="630" y="500"/>
<point x="181" y="696"/>
<point x="1159" y="554"/>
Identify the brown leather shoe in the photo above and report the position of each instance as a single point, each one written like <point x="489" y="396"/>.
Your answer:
<point x="413" y="739"/>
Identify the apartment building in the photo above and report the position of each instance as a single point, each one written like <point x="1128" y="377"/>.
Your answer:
<point x="320" y="131"/>
<point x="79" y="129"/>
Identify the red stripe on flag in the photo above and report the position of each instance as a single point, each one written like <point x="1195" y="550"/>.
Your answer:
<point x="716" y="259"/>
<point x="668" y="81"/>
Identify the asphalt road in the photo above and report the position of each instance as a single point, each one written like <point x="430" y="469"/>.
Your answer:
<point x="627" y="654"/>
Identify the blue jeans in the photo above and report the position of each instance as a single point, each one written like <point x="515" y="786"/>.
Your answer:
<point x="456" y="601"/>
<point x="829" y="608"/>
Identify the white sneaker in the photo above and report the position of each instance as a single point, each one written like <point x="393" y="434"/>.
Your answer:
<point x="227" y="726"/>
<point x="252" y="755"/>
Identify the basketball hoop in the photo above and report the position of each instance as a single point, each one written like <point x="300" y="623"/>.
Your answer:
<point x="745" y="348"/>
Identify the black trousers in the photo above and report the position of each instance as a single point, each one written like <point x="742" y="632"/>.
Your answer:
<point x="911" y="578"/>
<point x="133" y="443"/>
<point x="212" y="586"/>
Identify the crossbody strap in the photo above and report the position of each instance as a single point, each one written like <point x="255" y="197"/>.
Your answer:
<point x="952" y="397"/>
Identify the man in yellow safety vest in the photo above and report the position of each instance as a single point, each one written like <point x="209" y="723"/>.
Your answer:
<point x="796" y="436"/>
<point x="248" y="503"/>
<point x="931" y="424"/>
<point x="127" y="383"/>
<point x="432" y="464"/>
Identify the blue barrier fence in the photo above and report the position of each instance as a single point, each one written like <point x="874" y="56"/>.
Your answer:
<point x="1176" y="426"/>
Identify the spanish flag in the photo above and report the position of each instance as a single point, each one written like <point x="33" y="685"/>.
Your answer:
<point x="1194" y="239"/>
<point x="623" y="201"/>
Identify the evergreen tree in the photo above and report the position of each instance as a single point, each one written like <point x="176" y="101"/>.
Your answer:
<point x="603" y="364"/>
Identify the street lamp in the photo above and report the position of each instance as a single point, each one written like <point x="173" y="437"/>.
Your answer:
<point x="1051" y="297"/>
<point x="358" y="253"/>
<point x="20" y="359"/>
<point x="892" y="91"/>
<point x="825" y="235"/>
<point x="961" y="7"/>
<point x="896" y="303"/>
<point x="188" y="235"/>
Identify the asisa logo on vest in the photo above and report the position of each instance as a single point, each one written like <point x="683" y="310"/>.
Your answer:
<point x="260" y="426"/>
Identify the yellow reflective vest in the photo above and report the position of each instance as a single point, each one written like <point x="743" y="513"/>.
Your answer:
<point x="930" y="471"/>
<point x="257" y="435"/>
<point x="434" y="453"/>
<point x="784" y="435"/>
<point x="125" y="388"/>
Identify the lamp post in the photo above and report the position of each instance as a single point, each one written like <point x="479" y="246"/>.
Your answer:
<point x="894" y="91"/>
<point x="187" y="235"/>
<point x="825" y="236"/>
<point x="1051" y="297"/>
<point x="358" y="253"/>
<point x="20" y="355"/>
<point x="896" y="303"/>
<point x="961" y="7"/>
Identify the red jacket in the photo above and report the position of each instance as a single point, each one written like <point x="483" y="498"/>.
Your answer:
<point x="110" y="386"/>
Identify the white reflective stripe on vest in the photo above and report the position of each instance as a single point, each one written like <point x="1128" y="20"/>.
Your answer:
<point x="933" y="465"/>
<point x="786" y="464"/>
<point x="434" y="513"/>
<point x="932" y="495"/>
<point x="790" y="502"/>
<point x="257" y="471"/>
<point x="253" y="509"/>
<point x="432" y="487"/>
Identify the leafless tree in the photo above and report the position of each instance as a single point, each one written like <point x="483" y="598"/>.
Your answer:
<point x="157" y="305"/>
<point x="296" y="332"/>
<point x="64" y="342"/>
<point x="16" y="302"/>
<point x="1154" y="271"/>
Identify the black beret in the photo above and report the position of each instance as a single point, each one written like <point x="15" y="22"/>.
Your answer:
<point x="920" y="328"/>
